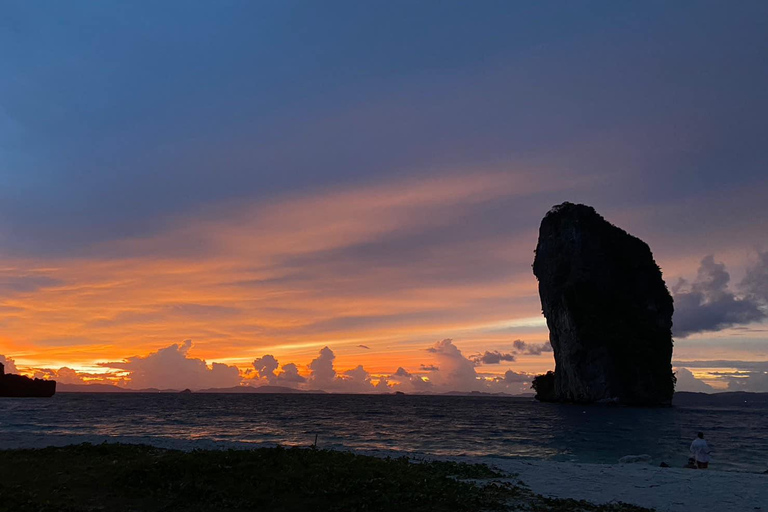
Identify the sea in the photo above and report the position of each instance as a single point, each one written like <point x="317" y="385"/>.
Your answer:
<point x="486" y="427"/>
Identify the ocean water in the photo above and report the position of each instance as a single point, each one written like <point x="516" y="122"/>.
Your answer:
<point x="479" y="426"/>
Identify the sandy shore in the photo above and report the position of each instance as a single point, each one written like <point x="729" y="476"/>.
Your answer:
<point x="664" y="489"/>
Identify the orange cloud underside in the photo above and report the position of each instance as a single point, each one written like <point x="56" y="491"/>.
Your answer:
<point x="285" y="278"/>
<point x="394" y="267"/>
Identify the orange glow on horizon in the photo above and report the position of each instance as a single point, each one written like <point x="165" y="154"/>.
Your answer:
<point x="288" y="278"/>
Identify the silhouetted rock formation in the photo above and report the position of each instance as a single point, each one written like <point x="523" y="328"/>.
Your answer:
<point x="608" y="311"/>
<point x="20" y="386"/>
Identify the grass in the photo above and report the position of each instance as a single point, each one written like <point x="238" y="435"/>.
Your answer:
<point x="117" y="478"/>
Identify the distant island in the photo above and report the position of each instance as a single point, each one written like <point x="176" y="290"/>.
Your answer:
<point x="111" y="388"/>
<point x="20" y="386"/>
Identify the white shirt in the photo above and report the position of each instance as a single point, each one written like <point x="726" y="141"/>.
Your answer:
<point x="700" y="450"/>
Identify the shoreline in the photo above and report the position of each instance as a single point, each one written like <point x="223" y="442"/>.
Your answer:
<point x="662" y="489"/>
<point x="644" y="485"/>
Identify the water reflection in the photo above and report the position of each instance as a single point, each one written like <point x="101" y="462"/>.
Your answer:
<point x="440" y="425"/>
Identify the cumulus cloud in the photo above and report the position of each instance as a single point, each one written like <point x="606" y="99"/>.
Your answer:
<point x="520" y="347"/>
<point x="323" y="375"/>
<point x="9" y="364"/>
<point x="289" y="376"/>
<point x="531" y="349"/>
<point x="356" y="380"/>
<point x="735" y="375"/>
<point x="408" y="382"/>
<point x="707" y="304"/>
<point x="755" y="282"/>
<point x="511" y="376"/>
<point x="494" y="357"/>
<point x="321" y="369"/>
<point x="512" y="383"/>
<point x="171" y="368"/>
<point x="456" y="371"/>
<point x="265" y="370"/>
<point x="686" y="381"/>
<point x="67" y="375"/>
<point x="265" y="367"/>
<point x="754" y="381"/>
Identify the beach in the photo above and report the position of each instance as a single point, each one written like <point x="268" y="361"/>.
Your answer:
<point x="560" y="451"/>
<point x="663" y="489"/>
<point x="643" y="485"/>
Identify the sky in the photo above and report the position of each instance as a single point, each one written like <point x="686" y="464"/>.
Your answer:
<point x="346" y="195"/>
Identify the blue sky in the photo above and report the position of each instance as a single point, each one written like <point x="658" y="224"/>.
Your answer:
<point x="141" y="132"/>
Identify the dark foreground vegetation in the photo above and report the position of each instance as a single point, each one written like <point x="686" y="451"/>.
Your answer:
<point x="118" y="478"/>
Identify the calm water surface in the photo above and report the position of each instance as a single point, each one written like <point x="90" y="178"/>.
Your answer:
<point x="438" y="425"/>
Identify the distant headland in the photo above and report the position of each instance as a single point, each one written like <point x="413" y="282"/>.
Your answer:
<point x="20" y="386"/>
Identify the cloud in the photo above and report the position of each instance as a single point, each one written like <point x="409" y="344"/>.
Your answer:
<point x="10" y="364"/>
<point x="513" y="383"/>
<point x="456" y="371"/>
<point x="755" y="282"/>
<point x="324" y="376"/>
<point x="511" y="376"/>
<point x="171" y="368"/>
<point x="356" y="380"/>
<point x="266" y="370"/>
<point x="531" y="349"/>
<point x="408" y="382"/>
<point x="321" y="368"/>
<point x="289" y="376"/>
<point x="756" y="382"/>
<point x="494" y="357"/>
<point x="68" y="376"/>
<point x="265" y="367"/>
<point x="708" y="305"/>
<point x="686" y="381"/>
<point x="735" y="375"/>
<point x="18" y="284"/>
<point x="723" y="363"/>
<point x="401" y="372"/>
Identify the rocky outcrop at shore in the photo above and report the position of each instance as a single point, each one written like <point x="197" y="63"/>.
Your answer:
<point x="20" y="386"/>
<point x="608" y="311"/>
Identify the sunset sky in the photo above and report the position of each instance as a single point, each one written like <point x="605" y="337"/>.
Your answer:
<point x="276" y="177"/>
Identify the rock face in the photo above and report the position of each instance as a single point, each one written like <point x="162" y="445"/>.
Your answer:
<point x="20" y="386"/>
<point x="608" y="311"/>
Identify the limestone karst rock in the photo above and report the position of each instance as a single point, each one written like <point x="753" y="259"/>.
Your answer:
<point x="608" y="311"/>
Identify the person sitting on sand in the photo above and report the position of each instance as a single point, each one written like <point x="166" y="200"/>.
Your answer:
<point x="700" y="451"/>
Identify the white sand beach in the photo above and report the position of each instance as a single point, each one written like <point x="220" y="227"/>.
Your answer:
<point x="664" y="489"/>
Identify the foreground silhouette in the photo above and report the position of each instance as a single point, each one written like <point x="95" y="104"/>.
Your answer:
<point x="608" y="311"/>
<point x="123" y="477"/>
<point x="19" y="386"/>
